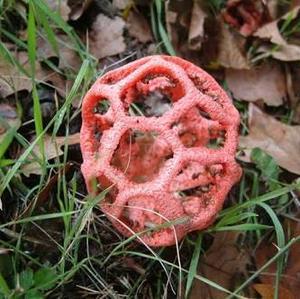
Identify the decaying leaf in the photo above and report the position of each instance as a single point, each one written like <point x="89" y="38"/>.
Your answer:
<point x="266" y="82"/>
<point x="279" y="140"/>
<point x="43" y="196"/>
<point x="138" y="27"/>
<point x="196" y="30"/>
<point x="11" y="79"/>
<point x="224" y="263"/>
<point x="266" y="291"/>
<point x="78" y="8"/>
<point x="52" y="150"/>
<point x="293" y="88"/>
<point x="279" y="47"/>
<point x="60" y="6"/>
<point x="106" y="36"/>
<point x="8" y="119"/>
<point x="121" y="4"/>
<point x="68" y="57"/>
<point x="231" y="49"/>
<point x="290" y="280"/>
<point x="178" y="17"/>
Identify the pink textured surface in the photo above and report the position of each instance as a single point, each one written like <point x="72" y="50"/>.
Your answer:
<point x="174" y="170"/>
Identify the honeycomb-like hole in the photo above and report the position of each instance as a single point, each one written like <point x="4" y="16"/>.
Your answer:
<point x="196" y="184"/>
<point x="217" y="139"/>
<point x="101" y="184"/>
<point x="141" y="214"/>
<point x="152" y="95"/>
<point x="197" y="129"/>
<point x="141" y="155"/>
<point x="139" y="217"/>
<point x="102" y="106"/>
<point x="155" y="103"/>
<point x="101" y="124"/>
<point x="170" y="85"/>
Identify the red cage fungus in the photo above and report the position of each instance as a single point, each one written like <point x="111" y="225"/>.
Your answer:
<point x="168" y="169"/>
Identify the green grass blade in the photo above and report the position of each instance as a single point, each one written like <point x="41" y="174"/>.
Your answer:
<point x="61" y="111"/>
<point x="4" y="289"/>
<point x="6" y="141"/>
<point x="161" y="30"/>
<point x="193" y="265"/>
<point x="240" y="227"/>
<point x="31" y="41"/>
<point x="259" y="199"/>
<point x="280" y="241"/>
<point x="49" y="32"/>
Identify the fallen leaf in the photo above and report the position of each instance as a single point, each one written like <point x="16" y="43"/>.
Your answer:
<point x="270" y="32"/>
<point x="43" y="196"/>
<point x="68" y="57"/>
<point x="196" y="30"/>
<point x="290" y="279"/>
<point x="5" y="250"/>
<point x="295" y="3"/>
<point x="224" y="263"/>
<point x="78" y="8"/>
<point x="11" y="79"/>
<point x="60" y="6"/>
<point x="266" y="82"/>
<point x="231" y="49"/>
<point x="106" y="36"/>
<point x="138" y="27"/>
<point x="266" y="291"/>
<point x="279" y="140"/>
<point x="272" y="6"/>
<point x="293" y="88"/>
<point x="52" y="150"/>
<point x="9" y="119"/>
<point x="178" y="17"/>
<point x="122" y="4"/>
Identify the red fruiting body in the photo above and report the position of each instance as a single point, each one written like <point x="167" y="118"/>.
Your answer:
<point x="170" y="168"/>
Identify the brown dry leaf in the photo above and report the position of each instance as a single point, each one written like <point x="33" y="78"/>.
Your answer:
<point x="272" y="6"/>
<point x="122" y="4"/>
<point x="43" y="196"/>
<point x="196" y="30"/>
<point x="52" y="150"/>
<point x="78" y="8"/>
<point x="270" y="32"/>
<point x="178" y="17"/>
<point x="68" y="57"/>
<point x="11" y="79"/>
<point x="266" y="291"/>
<point x="223" y="263"/>
<point x="231" y="49"/>
<point x="138" y="27"/>
<point x="8" y="119"/>
<point x="266" y="82"/>
<point x="279" y="140"/>
<point x="106" y="36"/>
<point x="290" y="279"/>
<point x="60" y="6"/>
<point x="295" y="3"/>
<point x="293" y="88"/>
